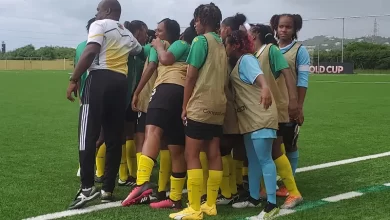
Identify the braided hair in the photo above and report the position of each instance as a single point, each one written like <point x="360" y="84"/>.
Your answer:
<point x="297" y="20"/>
<point x="209" y="15"/>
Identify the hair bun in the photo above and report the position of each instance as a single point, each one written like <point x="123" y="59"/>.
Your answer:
<point x="127" y="25"/>
<point x="240" y="18"/>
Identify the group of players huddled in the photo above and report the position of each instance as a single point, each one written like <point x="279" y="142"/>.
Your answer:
<point x="220" y="104"/>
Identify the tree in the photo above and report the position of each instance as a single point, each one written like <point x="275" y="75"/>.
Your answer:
<point x="47" y="53"/>
<point x="363" y="55"/>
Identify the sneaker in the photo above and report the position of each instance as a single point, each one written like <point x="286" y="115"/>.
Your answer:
<point x="131" y="181"/>
<point x="167" y="204"/>
<point x="203" y="199"/>
<point x="106" y="197"/>
<point x="159" y="196"/>
<point x="209" y="210"/>
<point x="235" y="197"/>
<point x="242" y="193"/>
<point x="83" y="196"/>
<point x="248" y="202"/>
<point x="138" y="195"/>
<point x="282" y="192"/>
<point x="270" y="212"/>
<point x="188" y="213"/>
<point x="98" y="179"/>
<point x="292" y="202"/>
<point x="221" y="200"/>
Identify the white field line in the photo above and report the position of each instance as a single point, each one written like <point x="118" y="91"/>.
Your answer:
<point x="95" y="208"/>
<point x="344" y="196"/>
<point x="68" y="213"/>
<point x="342" y="162"/>
<point x="284" y="212"/>
<point x="373" y="74"/>
<point x="346" y="82"/>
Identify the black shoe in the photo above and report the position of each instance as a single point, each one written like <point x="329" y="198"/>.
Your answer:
<point x="106" y="197"/>
<point x="222" y="200"/>
<point x="235" y="198"/>
<point x="203" y="199"/>
<point x="83" y="196"/>
<point x="131" y="181"/>
<point x="159" y="196"/>
<point x="247" y="202"/>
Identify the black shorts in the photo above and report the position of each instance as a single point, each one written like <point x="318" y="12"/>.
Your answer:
<point x="167" y="96"/>
<point x="165" y="110"/>
<point x="202" y="131"/>
<point x="290" y="134"/>
<point x="131" y="116"/>
<point x="140" y="126"/>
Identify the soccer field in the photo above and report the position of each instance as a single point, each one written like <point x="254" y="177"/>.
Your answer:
<point x="346" y="116"/>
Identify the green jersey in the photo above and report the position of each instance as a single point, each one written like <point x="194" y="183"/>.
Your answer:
<point x="79" y="51"/>
<point x="180" y="50"/>
<point x="199" y="50"/>
<point x="135" y="66"/>
<point x="278" y="62"/>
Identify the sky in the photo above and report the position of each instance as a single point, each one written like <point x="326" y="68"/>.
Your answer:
<point x="62" y="22"/>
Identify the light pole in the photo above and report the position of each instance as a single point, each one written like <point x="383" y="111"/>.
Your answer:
<point x="342" y="42"/>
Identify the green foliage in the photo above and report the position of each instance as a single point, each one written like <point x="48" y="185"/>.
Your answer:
<point x="363" y="55"/>
<point x="46" y="53"/>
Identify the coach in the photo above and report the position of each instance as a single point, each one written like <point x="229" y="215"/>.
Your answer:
<point x="104" y="98"/>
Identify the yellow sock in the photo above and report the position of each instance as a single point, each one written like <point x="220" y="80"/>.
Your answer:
<point x="284" y="169"/>
<point x="194" y="187"/>
<point x="283" y="149"/>
<point x="123" y="175"/>
<point x="213" y="183"/>
<point x="205" y="167"/>
<point x="177" y="185"/>
<point x="131" y="158"/>
<point x="100" y="160"/>
<point x="239" y="167"/>
<point x="138" y="156"/>
<point x="145" y="168"/>
<point x="232" y="176"/>
<point x="165" y="170"/>
<point x="225" y="183"/>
